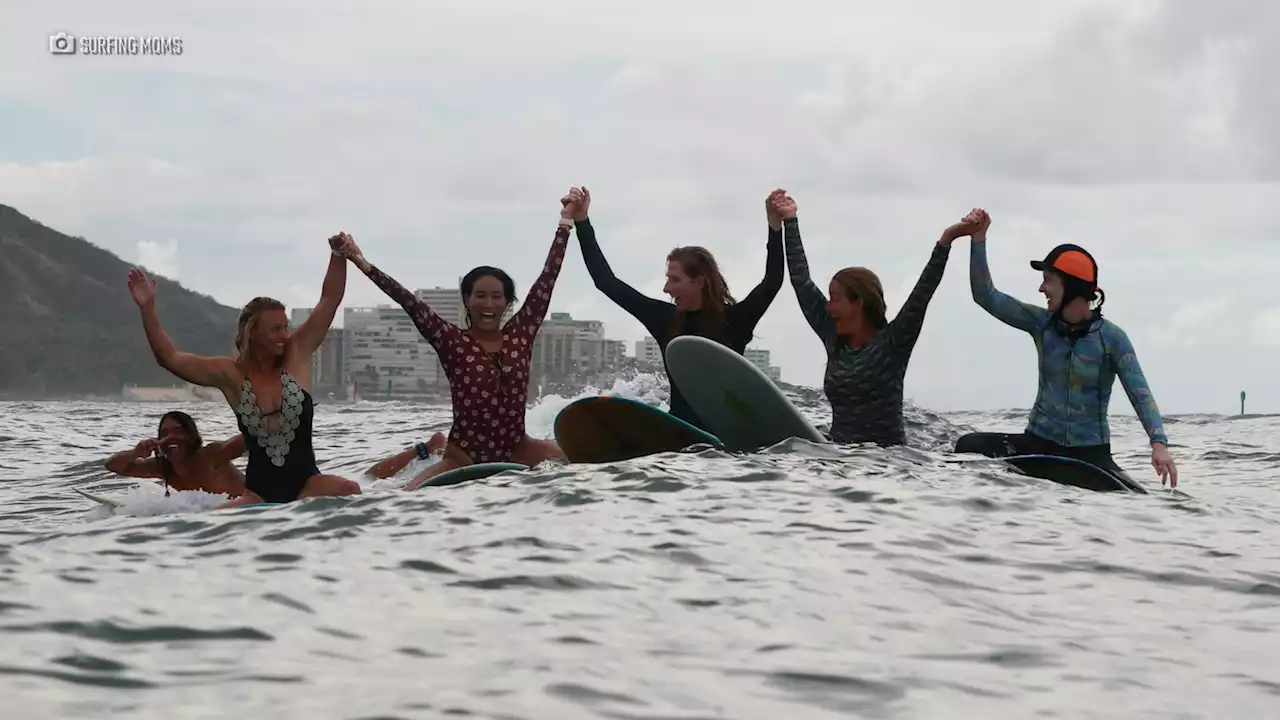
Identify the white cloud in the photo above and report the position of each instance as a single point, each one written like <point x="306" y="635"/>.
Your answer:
<point x="1266" y="327"/>
<point x="442" y="135"/>
<point x="161" y="258"/>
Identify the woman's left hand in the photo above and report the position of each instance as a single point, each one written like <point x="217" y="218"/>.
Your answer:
<point x="1163" y="463"/>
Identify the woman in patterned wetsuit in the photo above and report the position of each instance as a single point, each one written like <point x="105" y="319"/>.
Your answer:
<point x="266" y="385"/>
<point x="487" y="363"/>
<point x="867" y="354"/>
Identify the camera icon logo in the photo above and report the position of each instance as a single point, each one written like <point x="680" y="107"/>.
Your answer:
<point x="62" y="44"/>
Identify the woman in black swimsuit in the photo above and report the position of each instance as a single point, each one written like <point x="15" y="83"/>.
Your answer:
<point x="267" y="385"/>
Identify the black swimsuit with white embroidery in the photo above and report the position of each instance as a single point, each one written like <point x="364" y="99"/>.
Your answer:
<point x="281" y="458"/>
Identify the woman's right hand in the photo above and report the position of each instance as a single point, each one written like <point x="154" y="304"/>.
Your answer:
<point x="771" y="212"/>
<point x="969" y="226"/>
<point x="345" y="245"/>
<point x="141" y="287"/>
<point x="784" y="205"/>
<point x="575" y="204"/>
<point x="984" y="221"/>
<point x="146" y="448"/>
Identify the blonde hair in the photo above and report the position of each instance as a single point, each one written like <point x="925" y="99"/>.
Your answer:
<point x="249" y="319"/>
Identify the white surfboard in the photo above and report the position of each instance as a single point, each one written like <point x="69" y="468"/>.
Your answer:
<point x="735" y="400"/>
<point x="99" y="499"/>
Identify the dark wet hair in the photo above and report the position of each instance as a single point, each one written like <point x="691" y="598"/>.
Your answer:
<point x="249" y="315"/>
<point x="859" y="283"/>
<point x="1073" y="287"/>
<point x="698" y="262"/>
<point x="469" y="283"/>
<point x="194" y="441"/>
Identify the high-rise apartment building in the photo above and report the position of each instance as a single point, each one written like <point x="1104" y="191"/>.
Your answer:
<point x="760" y="358"/>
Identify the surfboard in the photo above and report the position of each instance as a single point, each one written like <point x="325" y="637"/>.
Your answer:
<point x="99" y="499"/>
<point x="735" y="399"/>
<point x="471" y="472"/>
<point x="611" y="428"/>
<point x="1076" y="473"/>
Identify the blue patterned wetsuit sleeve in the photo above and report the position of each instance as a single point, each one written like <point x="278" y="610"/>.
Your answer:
<point x="812" y="302"/>
<point x="1006" y="309"/>
<point x="1125" y="362"/>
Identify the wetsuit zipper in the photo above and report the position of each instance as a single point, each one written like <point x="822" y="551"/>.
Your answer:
<point x="1066" y="427"/>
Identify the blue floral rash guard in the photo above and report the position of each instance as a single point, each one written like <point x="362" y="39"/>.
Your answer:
<point x="1075" y="375"/>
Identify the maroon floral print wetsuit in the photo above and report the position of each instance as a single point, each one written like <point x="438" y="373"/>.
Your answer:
<point x="489" y="391"/>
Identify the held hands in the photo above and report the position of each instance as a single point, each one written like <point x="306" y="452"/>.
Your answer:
<point x="345" y="245"/>
<point x="1163" y="463"/>
<point x="142" y="288"/>
<point x="782" y="204"/>
<point x="576" y="204"/>
<point x="775" y="220"/>
<point x="972" y="225"/>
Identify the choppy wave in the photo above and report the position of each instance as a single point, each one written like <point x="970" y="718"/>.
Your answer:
<point x="803" y="581"/>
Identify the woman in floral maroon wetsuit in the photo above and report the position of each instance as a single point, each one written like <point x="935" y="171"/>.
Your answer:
<point x="487" y="363"/>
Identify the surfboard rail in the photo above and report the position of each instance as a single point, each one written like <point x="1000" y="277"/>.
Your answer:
<point x="1073" y="472"/>
<point x="475" y="471"/>
<point x="613" y="428"/>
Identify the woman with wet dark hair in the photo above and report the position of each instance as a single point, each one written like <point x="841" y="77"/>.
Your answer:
<point x="178" y="456"/>
<point x="487" y="362"/>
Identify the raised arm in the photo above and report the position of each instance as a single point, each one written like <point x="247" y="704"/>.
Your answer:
<point x="905" y="328"/>
<point x="1012" y="312"/>
<point x="137" y="461"/>
<point x="652" y="313"/>
<point x="538" y="299"/>
<point x="432" y="326"/>
<point x="1125" y="363"/>
<point x="812" y="302"/>
<point x="747" y="313"/>
<point x="197" y="369"/>
<point x="310" y="334"/>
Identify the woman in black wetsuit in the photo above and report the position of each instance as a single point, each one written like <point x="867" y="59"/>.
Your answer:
<point x="703" y="305"/>
<point x="273" y="370"/>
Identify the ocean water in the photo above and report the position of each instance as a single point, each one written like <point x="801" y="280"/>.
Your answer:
<point x="799" y="582"/>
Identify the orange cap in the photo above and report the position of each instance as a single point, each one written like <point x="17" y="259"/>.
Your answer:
<point x="1071" y="260"/>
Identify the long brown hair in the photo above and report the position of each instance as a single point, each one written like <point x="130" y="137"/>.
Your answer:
<point x="698" y="262"/>
<point x="194" y="441"/>
<point x="249" y="318"/>
<point x="860" y="283"/>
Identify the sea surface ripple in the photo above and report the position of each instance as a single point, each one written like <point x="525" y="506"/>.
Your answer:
<point x="798" y="582"/>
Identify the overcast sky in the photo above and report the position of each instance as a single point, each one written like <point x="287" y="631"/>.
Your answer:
<point x="441" y="134"/>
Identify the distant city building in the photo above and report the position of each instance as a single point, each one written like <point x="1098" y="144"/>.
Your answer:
<point x="381" y="351"/>
<point x="327" y="366"/>
<point x="648" y="354"/>
<point x="569" y="351"/>
<point x="760" y="358"/>
<point x="327" y="362"/>
<point x="384" y="354"/>
<point x="445" y="302"/>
